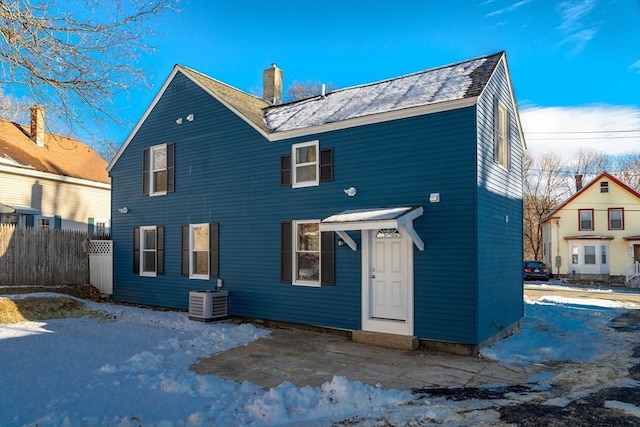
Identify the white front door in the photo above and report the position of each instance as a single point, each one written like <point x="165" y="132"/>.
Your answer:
<point x="388" y="291"/>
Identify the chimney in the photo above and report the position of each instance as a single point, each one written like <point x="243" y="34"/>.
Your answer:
<point x="37" y="125"/>
<point x="578" y="178"/>
<point x="272" y="85"/>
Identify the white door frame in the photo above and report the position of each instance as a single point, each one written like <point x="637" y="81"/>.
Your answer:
<point x="398" y="327"/>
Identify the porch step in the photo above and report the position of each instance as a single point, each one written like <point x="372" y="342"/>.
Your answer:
<point x="379" y="339"/>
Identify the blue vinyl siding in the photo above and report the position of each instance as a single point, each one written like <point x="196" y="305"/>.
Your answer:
<point x="226" y="172"/>
<point x="500" y="292"/>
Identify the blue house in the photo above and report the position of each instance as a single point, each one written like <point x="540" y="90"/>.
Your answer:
<point x="391" y="209"/>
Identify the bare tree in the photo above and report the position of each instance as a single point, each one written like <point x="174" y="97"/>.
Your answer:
<point x="73" y="57"/>
<point x="545" y="186"/>
<point x="629" y="170"/>
<point x="308" y="89"/>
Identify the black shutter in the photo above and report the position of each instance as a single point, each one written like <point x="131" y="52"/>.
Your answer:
<point x="136" y="250"/>
<point x="285" y="170"/>
<point x="285" y="252"/>
<point x="326" y="165"/>
<point x="171" y="187"/>
<point x="214" y="253"/>
<point x="145" y="172"/>
<point x="185" y="250"/>
<point x="160" y="249"/>
<point x="327" y="258"/>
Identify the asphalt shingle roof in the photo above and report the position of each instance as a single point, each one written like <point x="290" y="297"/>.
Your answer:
<point x="60" y="155"/>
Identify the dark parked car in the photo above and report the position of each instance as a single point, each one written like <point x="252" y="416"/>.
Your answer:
<point x="535" y="270"/>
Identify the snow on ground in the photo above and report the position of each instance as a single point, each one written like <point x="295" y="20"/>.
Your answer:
<point x="132" y="370"/>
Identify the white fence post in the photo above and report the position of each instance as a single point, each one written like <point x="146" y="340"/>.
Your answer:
<point x="101" y="265"/>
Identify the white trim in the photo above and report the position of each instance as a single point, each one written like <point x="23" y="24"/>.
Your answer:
<point x="404" y="221"/>
<point x="54" y="177"/>
<point x="374" y="118"/>
<point x="151" y="165"/>
<point x="397" y="327"/>
<point x="295" y="165"/>
<point x="347" y="239"/>
<point x="193" y="275"/>
<point x="294" y="255"/>
<point x="142" y="248"/>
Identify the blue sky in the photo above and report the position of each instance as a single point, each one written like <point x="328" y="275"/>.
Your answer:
<point x="575" y="64"/>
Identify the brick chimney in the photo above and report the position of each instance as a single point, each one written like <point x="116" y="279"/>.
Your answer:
<point x="37" y="125"/>
<point x="272" y="85"/>
<point x="578" y="178"/>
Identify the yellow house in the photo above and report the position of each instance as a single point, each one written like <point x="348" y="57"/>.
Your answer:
<point x="51" y="181"/>
<point x="595" y="234"/>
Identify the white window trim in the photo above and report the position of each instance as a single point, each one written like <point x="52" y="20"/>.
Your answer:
<point x="294" y="261"/>
<point x="294" y="165"/>
<point x="193" y="275"/>
<point x="503" y="135"/>
<point x="152" y="191"/>
<point x="142" y="251"/>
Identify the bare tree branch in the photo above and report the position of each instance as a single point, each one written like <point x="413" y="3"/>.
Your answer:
<point x="73" y="57"/>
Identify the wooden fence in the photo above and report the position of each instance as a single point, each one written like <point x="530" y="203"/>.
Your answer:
<point x="37" y="256"/>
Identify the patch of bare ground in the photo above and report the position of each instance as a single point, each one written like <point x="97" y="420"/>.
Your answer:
<point x="43" y="308"/>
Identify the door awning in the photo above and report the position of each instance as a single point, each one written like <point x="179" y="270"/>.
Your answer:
<point x="4" y="208"/>
<point x="373" y="219"/>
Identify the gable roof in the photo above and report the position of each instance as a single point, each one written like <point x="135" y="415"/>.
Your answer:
<point x="583" y="189"/>
<point x="438" y="89"/>
<point x="60" y="155"/>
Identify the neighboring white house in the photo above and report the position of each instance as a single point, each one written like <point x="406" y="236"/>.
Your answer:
<point x="51" y="181"/>
<point x="595" y="234"/>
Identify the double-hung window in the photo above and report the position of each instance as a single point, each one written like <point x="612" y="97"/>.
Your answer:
<point x="306" y="168"/>
<point x="158" y="170"/>
<point x="306" y="254"/>
<point x="616" y="219"/>
<point x="501" y="147"/>
<point x="585" y="219"/>
<point x="148" y="250"/>
<point x="589" y="254"/>
<point x="200" y="250"/>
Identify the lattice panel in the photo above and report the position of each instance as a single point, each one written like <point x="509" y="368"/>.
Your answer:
<point x="101" y="247"/>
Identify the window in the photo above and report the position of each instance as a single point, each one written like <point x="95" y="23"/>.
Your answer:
<point x="604" y="187"/>
<point x="501" y="153"/>
<point x="158" y="170"/>
<point x="298" y="173"/>
<point x="305" y="164"/>
<point x="200" y="250"/>
<point x="586" y="219"/>
<point x="589" y="254"/>
<point x="148" y="250"/>
<point x="603" y="254"/>
<point x="575" y="255"/>
<point x="307" y="247"/>
<point x="307" y="255"/>
<point x="43" y="222"/>
<point x="616" y="219"/>
<point x="98" y="227"/>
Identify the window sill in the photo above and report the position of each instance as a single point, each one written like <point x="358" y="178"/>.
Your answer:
<point x="307" y="284"/>
<point x="199" y="276"/>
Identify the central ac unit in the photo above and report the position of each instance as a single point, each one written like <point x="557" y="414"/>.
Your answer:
<point x="208" y="305"/>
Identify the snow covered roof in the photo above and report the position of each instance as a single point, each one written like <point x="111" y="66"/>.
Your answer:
<point x="448" y="83"/>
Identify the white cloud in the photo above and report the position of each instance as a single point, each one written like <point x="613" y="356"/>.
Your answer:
<point x="567" y="130"/>
<point x="574" y="24"/>
<point x="636" y="66"/>
<point x="509" y="8"/>
<point x="573" y="12"/>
